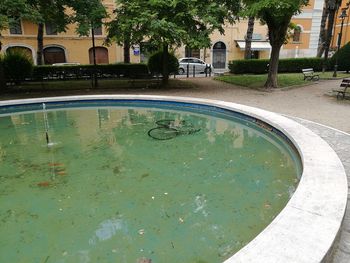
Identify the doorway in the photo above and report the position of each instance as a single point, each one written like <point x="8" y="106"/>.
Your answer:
<point x="219" y="55"/>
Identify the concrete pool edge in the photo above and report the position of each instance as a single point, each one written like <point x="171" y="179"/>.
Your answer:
<point x="306" y="228"/>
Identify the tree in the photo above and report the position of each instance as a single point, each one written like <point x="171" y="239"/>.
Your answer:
<point x="322" y="38"/>
<point x="89" y="15"/>
<point x="248" y="38"/>
<point x="13" y="10"/>
<point x="276" y="14"/>
<point x="124" y="30"/>
<point x="47" y="11"/>
<point x="169" y="24"/>
<point x="332" y="7"/>
<point x="10" y="12"/>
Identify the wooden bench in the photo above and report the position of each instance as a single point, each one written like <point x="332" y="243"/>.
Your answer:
<point x="342" y="93"/>
<point x="309" y="74"/>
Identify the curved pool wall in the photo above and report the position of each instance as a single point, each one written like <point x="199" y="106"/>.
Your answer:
<point x="304" y="231"/>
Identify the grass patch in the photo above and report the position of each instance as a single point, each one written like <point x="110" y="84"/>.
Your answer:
<point x="329" y="75"/>
<point x="284" y="80"/>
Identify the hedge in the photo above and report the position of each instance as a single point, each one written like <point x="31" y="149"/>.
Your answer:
<point x="343" y="55"/>
<point x="260" y="66"/>
<point x="85" y="71"/>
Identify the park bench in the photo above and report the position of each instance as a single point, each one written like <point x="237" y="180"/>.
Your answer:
<point x="309" y="74"/>
<point x="343" y="91"/>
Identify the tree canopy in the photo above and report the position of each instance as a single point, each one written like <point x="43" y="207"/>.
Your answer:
<point x="172" y="22"/>
<point x="276" y="14"/>
<point x="87" y="14"/>
<point x="168" y="24"/>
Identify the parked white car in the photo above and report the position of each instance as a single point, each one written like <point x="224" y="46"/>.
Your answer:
<point x="199" y="66"/>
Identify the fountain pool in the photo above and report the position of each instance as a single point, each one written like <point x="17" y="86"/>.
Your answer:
<point x="128" y="179"/>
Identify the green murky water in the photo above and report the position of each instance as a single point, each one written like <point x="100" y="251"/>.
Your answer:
<point x="105" y="191"/>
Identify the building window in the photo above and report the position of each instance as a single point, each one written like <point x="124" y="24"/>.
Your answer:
<point x="297" y="34"/>
<point x="54" y="55"/>
<point x="189" y="52"/>
<point x="50" y="29"/>
<point x="101" y="55"/>
<point x="16" y="27"/>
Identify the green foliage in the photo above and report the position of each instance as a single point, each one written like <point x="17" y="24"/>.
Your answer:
<point x="155" y="63"/>
<point x="17" y="66"/>
<point x="85" y="71"/>
<point x="276" y="14"/>
<point x="343" y="56"/>
<point x="167" y="22"/>
<point x="11" y="10"/>
<point x="255" y="66"/>
<point x="88" y="13"/>
<point x="259" y="66"/>
<point x="257" y="81"/>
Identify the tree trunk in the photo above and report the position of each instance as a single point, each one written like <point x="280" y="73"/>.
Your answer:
<point x="165" y="71"/>
<point x="94" y="75"/>
<point x="332" y="9"/>
<point x="40" y="39"/>
<point x="2" y="78"/>
<point x="271" y="81"/>
<point x="322" y="38"/>
<point x="126" y="48"/>
<point x="248" y="39"/>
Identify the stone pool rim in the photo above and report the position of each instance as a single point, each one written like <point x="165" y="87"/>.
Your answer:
<point x="306" y="228"/>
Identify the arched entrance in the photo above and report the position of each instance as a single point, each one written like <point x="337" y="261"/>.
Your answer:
<point x="54" y="55"/>
<point x="24" y="50"/>
<point x="219" y="55"/>
<point x="101" y="55"/>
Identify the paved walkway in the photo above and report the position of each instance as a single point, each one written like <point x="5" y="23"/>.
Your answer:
<point x="340" y="142"/>
<point x="309" y="102"/>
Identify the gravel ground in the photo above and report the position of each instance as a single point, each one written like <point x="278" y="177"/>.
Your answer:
<point x="310" y="102"/>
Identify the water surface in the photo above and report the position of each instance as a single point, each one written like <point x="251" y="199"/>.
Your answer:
<point x="105" y="191"/>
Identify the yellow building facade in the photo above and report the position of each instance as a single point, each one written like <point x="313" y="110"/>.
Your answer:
<point x="342" y="25"/>
<point x="65" y="47"/>
<point x="68" y="47"/>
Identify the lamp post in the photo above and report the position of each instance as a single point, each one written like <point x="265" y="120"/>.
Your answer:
<point x="342" y="16"/>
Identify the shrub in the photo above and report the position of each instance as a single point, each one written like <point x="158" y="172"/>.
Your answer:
<point x="17" y="66"/>
<point x="343" y="56"/>
<point x="289" y="65"/>
<point x="155" y="63"/>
